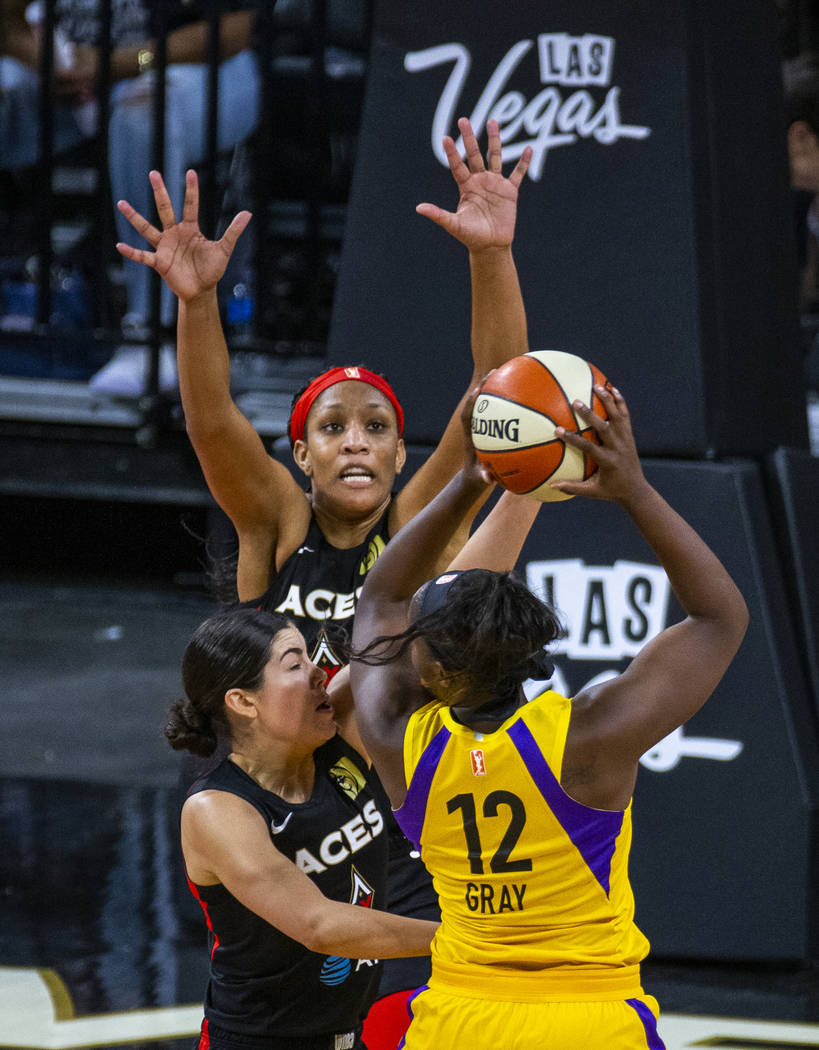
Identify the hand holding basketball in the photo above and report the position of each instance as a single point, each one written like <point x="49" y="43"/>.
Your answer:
<point x="618" y="475"/>
<point x="515" y="415"/>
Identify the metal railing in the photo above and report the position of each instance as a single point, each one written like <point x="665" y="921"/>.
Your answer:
<point x="261" y="335"/>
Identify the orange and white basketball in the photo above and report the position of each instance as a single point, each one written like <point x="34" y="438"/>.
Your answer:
<point x="515" y="415"/>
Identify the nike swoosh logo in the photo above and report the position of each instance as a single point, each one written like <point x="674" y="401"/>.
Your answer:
<point x="305" y="550"/>
<point x="277" y="829"/>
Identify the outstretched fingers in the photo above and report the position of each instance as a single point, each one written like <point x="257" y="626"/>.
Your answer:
<point x="471" y="148"/>
<point x="235" y="230"/>
<point x="439" y="216"/>
<point x="139" y="255"/>
<point x="520" y="169"/>
<point x="150" y="233"/>
<point x="164" y="208"/>
<point x="494" y="153"/>
<point x="460" y="172"/>
<point x="190" y="209"/>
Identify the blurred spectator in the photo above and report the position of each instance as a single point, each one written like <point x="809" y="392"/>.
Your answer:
<point x="801" y="89"/>
<point x="134" y="28"/>
<point x="801" y="83"/>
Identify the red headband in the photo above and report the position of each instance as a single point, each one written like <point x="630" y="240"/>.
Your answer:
<point x="298" y="417"/>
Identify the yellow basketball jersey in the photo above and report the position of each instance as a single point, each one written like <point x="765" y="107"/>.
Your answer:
<point x="533" y="886"/>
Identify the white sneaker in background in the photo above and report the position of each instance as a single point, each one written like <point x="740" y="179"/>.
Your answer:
<point x="125" y="375"/>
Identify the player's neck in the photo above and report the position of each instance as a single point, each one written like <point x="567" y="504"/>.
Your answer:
<point x="342" y="533"/>
<point x="489" y="716"/>
<point x="290" y="778"/>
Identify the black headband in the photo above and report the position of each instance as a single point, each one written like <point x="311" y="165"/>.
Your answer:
<point x="436" y="592"/>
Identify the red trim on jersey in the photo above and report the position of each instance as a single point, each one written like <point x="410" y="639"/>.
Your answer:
<point x="204" y="1036"/>
<point x="203" y="905"/>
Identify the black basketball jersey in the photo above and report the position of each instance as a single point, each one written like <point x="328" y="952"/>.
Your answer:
<point x="262" y="982"/>
<point x="318" y="587"/>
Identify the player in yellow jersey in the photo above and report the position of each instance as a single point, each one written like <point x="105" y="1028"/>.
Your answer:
<point x="523" y="810"/>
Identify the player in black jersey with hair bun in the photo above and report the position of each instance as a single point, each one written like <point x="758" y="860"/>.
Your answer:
<point x="284" y="843"/>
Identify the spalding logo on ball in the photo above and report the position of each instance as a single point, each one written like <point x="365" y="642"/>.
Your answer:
<point x="515" y="415"/>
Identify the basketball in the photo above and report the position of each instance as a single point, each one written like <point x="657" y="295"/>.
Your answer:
<point x="515" y="415"/>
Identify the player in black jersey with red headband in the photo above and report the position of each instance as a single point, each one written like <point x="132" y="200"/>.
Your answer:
<point x="284" y="845"/>
<point x="307" y="553"/>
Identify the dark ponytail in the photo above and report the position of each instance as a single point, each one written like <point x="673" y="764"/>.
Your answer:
<point x="227" y="651"/>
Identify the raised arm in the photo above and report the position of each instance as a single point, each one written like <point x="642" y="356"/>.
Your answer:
<point x="258" y="494"/>
<point x="614" y="723"/>
<point x="485" y="223"/>
<point x="224" y="839"/>
<point x="497" y="542"/>
<point x="386" y="694"/>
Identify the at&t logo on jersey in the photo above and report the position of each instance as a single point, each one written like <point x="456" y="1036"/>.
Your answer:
<point x="336" y="969"/>
<point x="573" y="72"/>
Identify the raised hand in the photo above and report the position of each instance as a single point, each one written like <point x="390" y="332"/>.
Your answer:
<point x="485" y="217"/>
<point x="619" y="476"/>
<point x="184" y="258"/>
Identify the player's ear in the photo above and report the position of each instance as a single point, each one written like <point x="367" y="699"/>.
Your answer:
<point x="400" y="456"/>
<point x="240" y="703"/>
<point x="301" y="454"/>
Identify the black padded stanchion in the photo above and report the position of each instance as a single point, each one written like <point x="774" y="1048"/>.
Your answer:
<point x="724" y="863"/>
<point x="654" y="232"/>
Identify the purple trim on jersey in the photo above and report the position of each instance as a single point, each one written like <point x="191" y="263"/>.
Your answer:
<point x="593" y="831"/>
<point x="653" y="1040"/>
<point x="410" y="816"/>
<point x="415" y="994"/>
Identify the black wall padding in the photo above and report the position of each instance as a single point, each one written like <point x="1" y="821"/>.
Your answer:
<point x="654" y="239"/>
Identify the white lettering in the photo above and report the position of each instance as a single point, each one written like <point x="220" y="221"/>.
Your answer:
<point x="329" y="857"/>
<point x="345" y="606"/>
<point x="549" y="119"/>
<point x="372" y="814"/>
<point x="667" y="753"/>
<point x="575" y="61"/>
<point x="610" y="612"/>
<point x="292" y="602"/>
<point x="319" y="611"/>
<point x="308" y="863"/>
<point x="356" y="833"/>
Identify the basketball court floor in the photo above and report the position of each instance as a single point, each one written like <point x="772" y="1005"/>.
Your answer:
<point x="100" y="943"/>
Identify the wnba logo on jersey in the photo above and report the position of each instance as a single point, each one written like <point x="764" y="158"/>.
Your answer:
<point x="478" y="764"/>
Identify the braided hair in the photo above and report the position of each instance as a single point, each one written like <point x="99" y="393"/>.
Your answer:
<point x="486" y="626"/>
